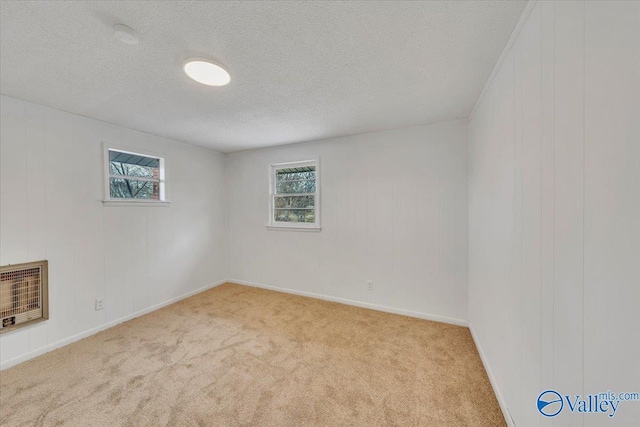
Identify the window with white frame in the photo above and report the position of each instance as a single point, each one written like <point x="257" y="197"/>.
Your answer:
<point x="294" y="198"/>
<point x="134" y="176"/>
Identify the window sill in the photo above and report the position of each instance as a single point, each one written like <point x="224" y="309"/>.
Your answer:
<point x="135" y="203"/>
<point x="293" y="228"/>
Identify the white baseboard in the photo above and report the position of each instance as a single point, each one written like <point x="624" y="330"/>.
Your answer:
<point x="50" y="347"/>
<point x="384" y="308"/>
<point x="492" y="380"/>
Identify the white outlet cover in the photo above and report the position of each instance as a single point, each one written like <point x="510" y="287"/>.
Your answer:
<point x="99" y="303"/>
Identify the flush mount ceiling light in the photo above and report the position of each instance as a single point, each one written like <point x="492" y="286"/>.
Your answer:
<point x="206" y="72"/>
<point x="125" y="34"/>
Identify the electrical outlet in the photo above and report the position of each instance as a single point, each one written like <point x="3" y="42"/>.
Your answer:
<point x="370" y="285"/>
<point x="100" y="303"/>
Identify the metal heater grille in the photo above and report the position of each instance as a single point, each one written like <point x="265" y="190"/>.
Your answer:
<point x="23" y="294"/>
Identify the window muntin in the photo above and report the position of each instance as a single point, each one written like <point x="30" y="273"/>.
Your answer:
<point x="294" y="195"/>
<point x="135" y="176"/>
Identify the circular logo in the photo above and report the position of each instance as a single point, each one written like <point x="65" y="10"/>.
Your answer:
<point x="550" y="403"/>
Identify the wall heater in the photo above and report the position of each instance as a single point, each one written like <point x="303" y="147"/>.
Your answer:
<point x="23" y="294"/>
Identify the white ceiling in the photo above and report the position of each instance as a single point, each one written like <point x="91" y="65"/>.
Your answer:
<point x="300" y="71"/>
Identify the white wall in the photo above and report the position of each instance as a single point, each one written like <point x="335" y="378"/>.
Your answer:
<point x="554" y="182"/>
<point x="394" y="210"/>
<point x="51" y="190"/>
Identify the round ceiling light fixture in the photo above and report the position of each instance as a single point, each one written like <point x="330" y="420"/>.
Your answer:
<point x="206" y="72"/>
<point x="125" y="34"/>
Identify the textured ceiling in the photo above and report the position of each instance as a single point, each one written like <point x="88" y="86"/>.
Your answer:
<point x="300" y="70"/>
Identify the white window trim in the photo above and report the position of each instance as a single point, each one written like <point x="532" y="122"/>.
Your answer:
<point x="108" y="201"/>
<point x="295" y="226"/>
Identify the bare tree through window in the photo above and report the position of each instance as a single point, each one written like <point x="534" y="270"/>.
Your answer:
<point x="294" y="193"/>
<point x="133" y="176"/>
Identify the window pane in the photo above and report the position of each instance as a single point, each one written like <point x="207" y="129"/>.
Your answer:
<point x="116" y="168"/>
<point x="294" y="215"/>
<point x="294" y="190"/>
<point x="285" y="175"/>
<point x="303" y="186"/>
<point x="294" y="202"/>
<point x="133" y="165"/>
<point x="134" y="189"/>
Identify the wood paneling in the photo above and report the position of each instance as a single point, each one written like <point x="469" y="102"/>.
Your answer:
<point x="394" y="210"/>
<point x="575" y="176"/>
<point x="51" y="186"/>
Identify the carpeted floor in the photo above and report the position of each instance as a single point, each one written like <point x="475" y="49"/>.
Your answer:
<point x="239" y="356"/>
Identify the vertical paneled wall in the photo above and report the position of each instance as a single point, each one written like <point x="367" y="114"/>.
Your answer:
<point x="554" y="202"/>
<point x="394" y="211"/>
<point x="51" y="191"/>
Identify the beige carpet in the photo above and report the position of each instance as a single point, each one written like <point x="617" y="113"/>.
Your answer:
<point x="239" y="356"/>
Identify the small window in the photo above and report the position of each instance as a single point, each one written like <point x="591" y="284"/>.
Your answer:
<point x="134" y="177"/>
<point x="294" y="198"/>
